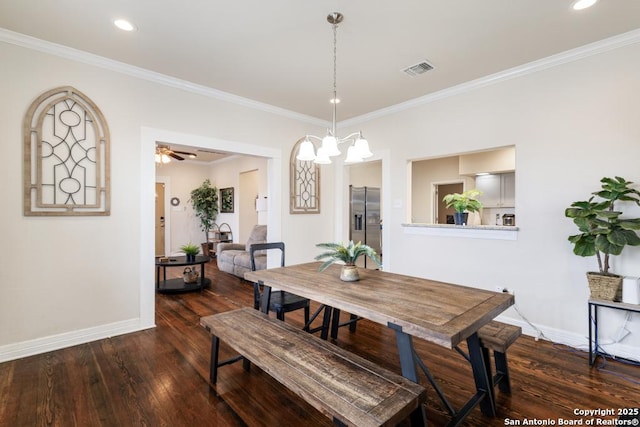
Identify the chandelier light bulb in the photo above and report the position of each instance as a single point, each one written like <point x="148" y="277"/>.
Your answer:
<point x="306" y="153"/>
<point x="352" y="155"/>
<point x="322" y="158"/>
<point x="362" y="147"/>
<point x="330" y="145"/>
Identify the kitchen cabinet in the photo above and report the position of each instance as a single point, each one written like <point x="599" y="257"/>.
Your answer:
<point x="498" y="190"/>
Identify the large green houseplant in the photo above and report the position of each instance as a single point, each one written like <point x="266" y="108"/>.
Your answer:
<point x="602" y="232"/>
<point x="347" y="254"/>
<point x="204" y="200"/>
<point x="463" y="203"/>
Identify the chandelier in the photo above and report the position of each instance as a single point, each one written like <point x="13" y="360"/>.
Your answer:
<point x="359" y="148"/>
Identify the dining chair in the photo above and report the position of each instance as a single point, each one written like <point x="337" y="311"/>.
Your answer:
<point x="281" y="302"/>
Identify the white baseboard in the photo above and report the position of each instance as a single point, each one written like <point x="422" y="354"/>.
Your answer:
<point x="68" y="339"/>
<point x="572" y="339"/>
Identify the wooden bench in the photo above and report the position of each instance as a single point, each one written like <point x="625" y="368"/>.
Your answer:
<point x="343" y="386"/>
<point x="498" y="336"/>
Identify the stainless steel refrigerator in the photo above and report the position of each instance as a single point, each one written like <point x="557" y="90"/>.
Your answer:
<point x="364" y="223"/>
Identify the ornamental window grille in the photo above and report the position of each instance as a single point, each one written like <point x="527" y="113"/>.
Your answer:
<point x="66" y="156"/>
<point x="304" y="184"/>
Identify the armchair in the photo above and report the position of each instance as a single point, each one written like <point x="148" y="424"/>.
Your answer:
<point x="234" y="258"/>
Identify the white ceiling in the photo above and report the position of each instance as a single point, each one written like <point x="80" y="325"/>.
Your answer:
<point x="279" y="52"/>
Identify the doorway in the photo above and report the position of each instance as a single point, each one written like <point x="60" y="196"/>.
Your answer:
<point x="248" y="216"/>
<point x="443" y="214"/>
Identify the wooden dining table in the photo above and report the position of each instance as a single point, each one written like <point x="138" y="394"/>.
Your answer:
<point x="441" y="313"/>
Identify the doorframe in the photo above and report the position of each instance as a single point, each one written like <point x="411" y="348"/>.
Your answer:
<point x="434" y="196"/>
<point x="148" y="138"/>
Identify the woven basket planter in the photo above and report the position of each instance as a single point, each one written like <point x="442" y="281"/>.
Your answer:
<point x="605" y="287"/>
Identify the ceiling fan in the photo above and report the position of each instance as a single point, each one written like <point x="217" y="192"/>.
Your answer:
<point x="163" y="152"/>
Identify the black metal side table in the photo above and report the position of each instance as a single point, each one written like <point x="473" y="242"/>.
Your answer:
<point x="593" y="322"/>
<point x="177" y="285"/>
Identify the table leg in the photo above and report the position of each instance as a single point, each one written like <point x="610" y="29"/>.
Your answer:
<point x="591" y="360"/>
<point x="482" y="375"/>
<point x="596" y="344"/>
<point x="409" y="369"/>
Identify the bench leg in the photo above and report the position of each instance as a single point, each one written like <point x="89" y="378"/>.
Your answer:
<point x="213" y="368"/>
<point x="502" y="372"/>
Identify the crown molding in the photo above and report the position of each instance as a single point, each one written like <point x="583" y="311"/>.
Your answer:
<point x="576" y="54"/>
<point x="66" y="52"/>
<point x="596" y="48"/>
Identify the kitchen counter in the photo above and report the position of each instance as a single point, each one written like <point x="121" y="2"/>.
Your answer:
<point x="495" y="232"/>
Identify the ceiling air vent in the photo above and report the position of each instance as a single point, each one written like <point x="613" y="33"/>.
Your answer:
<point x="417" y="69"/>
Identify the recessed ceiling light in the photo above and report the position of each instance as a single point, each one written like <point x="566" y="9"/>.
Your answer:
<point x="583" y="4"/>
<point x="124" y="25"/>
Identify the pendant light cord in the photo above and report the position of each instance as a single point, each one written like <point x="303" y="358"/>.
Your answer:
<point x="335" y="90"/>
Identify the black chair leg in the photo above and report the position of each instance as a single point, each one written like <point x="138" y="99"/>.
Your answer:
<point x="306" y="317"/>
<point x="352" y="325"/>
<point x="280" y="314"/>
<point x="335" y="323"/>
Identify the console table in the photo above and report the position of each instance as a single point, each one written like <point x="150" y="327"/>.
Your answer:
<point x="177" y="285"/>
<point x="594" y="304"/>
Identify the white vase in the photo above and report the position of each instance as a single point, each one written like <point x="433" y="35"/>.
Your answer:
<point x="349" y="273"/>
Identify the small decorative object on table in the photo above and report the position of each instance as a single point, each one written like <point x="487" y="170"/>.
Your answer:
<point x="190" y="275"/>
<point x="463" y="203"/>
<point x="190" y="250"/>
<point x="602" y="231"/>
<point x="348" y="255"/>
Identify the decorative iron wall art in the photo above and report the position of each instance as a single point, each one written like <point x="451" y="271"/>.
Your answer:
<point x="66" y="156"/>
<point x="304" y="184"/>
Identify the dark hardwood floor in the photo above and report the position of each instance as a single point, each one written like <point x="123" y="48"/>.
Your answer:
<point x="159" y="377"/>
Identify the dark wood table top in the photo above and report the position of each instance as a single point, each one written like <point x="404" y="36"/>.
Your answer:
<point x="178" y="261"/>
<point x="438" y="312"/>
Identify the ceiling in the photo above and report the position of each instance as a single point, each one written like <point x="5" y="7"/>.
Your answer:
<point x="279" y="52"/>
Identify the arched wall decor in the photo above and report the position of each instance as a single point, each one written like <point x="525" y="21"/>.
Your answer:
<point x="304" y="184"/>
<point x="66" y="156"/>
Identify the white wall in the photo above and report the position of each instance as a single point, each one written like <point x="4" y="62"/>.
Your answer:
<point x="71" y="280"/>
<point x="571" y="124"/>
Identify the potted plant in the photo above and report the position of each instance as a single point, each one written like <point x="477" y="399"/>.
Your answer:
<point x="604" y="233"/>
<point x="190" y="250"/>
<point x="463" y="203"/>
<point x="204" y="200"/>
<point x="348" y="254"/>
